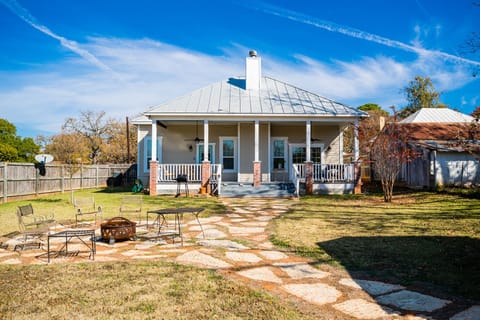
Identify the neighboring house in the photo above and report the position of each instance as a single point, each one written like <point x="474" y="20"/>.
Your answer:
<point x="439" y="136"/>
<point x="257" y="131"/>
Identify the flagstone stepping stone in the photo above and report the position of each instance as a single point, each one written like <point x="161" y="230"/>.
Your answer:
<point x="6" y="254"/>
<point x="266" y="245"/>
<point x="198" y="228"/>
<point x="200" y="259"/>
<point x="301" y="270"/>
<point x="241" y="210"/>
<point x="131" y="253"/>
<point x="105" y="258"/>
<point x="260" y="274"/>
<point x="146" y="245"/>
<point x="372" y="287"/>
<point x="227" y="244"/>
<point x="414" y="301"/>
<point x="472" y="313"/>
<point x="206" y="220"/>
<point x="245" y="230"/>
<point x="243" y="256"/>
<point x="105" y="252"/>
<point x="223" y="224"/>
<point x="12" y="261"/>
<point x="317" y="293"/>
<point x="158" y="256"/>
<point x="233" y="215"/>
<point x="264" y="218"/>
<point x="211" y="234"/>
<point x="260" y="238"/>
<point x="363" y="309"/>
<point x="273" y="255"/>
<point x="255" y="224"/>
<point x="239" y="220"/>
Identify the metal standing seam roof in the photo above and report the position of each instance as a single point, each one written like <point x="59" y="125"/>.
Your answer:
<point x="273" y="98"/>
<point x="437" y="115"/>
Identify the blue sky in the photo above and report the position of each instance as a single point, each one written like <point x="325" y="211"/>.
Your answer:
<point x="60" y="57"/>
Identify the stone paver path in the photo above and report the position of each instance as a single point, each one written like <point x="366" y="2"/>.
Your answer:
<point x="236" y="244"/>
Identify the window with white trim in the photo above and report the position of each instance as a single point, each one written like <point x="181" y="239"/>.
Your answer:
<point x="228" y="153"/>
<point x="211" y="152"/>
<point x="279" y="153"/>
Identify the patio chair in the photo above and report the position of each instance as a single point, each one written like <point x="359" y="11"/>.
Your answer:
<point x="132" y="204"/>
<point x="33" y="225"/>
<point x="86" y="206"/>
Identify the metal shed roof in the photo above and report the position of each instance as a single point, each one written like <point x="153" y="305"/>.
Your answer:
<point x="437" y="115"/>
<point x="274" y="98"/>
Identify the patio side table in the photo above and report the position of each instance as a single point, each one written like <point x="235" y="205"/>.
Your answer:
<point x="68" y="235"/>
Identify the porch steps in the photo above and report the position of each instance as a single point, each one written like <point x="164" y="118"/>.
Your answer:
<point x="266" y="190"/>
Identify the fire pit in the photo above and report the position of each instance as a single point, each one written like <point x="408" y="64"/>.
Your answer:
<point x="118" y="228"/>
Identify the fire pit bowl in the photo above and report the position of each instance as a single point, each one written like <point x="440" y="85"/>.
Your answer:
<point x="118" y="228"/>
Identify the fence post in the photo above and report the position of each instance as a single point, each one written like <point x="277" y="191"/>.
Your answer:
<point x="5" y="183"/>
<point x="96" y="176"/>
<point x="62" y="178"/>
<point x="81" y="176"/>
<point x="36" y="182"/>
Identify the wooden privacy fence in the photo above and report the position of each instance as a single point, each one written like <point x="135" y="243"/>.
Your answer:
<point x="23" y="179"/>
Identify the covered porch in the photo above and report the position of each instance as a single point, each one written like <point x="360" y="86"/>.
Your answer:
<point x="304" y="155"/>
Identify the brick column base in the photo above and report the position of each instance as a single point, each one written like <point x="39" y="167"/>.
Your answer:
<point x="206" y="177"/>
<point x="153" y="177"/>
<point x="308" y="177"/>
<point x="257" y="173"/>
<point x="357" y="173"/>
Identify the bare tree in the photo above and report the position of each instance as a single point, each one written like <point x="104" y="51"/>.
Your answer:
<point x="390" y="152"/>
<point x="93" y="127"/>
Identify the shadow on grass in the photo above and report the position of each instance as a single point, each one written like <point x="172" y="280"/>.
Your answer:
<point x="448" y="265"/>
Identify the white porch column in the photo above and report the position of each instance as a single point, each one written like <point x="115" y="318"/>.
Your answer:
<point x="356" y="148"/>
<point x="153" y="165"/>
<point x="257" y="166"/>
<point x="308" y="144"/>
<point x="257" y="138"/>
<point x="205" y="140"/>
<point x="154" y="140"/>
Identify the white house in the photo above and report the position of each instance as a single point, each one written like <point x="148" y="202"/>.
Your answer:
<point x="259" y="131"/>
<point x="439" y="135"/>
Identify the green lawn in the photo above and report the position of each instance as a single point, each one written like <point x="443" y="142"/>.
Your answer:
<point x="427" y="241"/>
<point x="108" y="198"/>
<point x="423" y="240"/>
<point x="127" y="289"/>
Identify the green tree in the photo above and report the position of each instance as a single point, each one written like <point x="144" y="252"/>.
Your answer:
<point x="15" y="148"/>
<point x="8" y="153"/>
<point x="420" y="93"/>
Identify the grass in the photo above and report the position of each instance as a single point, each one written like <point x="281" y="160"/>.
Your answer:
<point x="427" y="241"/>
<point x="108" y="198"/>
<point x="131" y="290"/>
<point x="424" y="240"/>
<point x="128" y="289"/>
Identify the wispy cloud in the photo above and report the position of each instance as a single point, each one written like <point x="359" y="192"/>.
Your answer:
<point x="23" y="14"/>
<point x="153" y="72"/>
<point x="352" y="32"/>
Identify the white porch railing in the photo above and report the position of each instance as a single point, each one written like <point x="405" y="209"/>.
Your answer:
<point x="168" y="172"/>
<point x="330" y="172"/>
